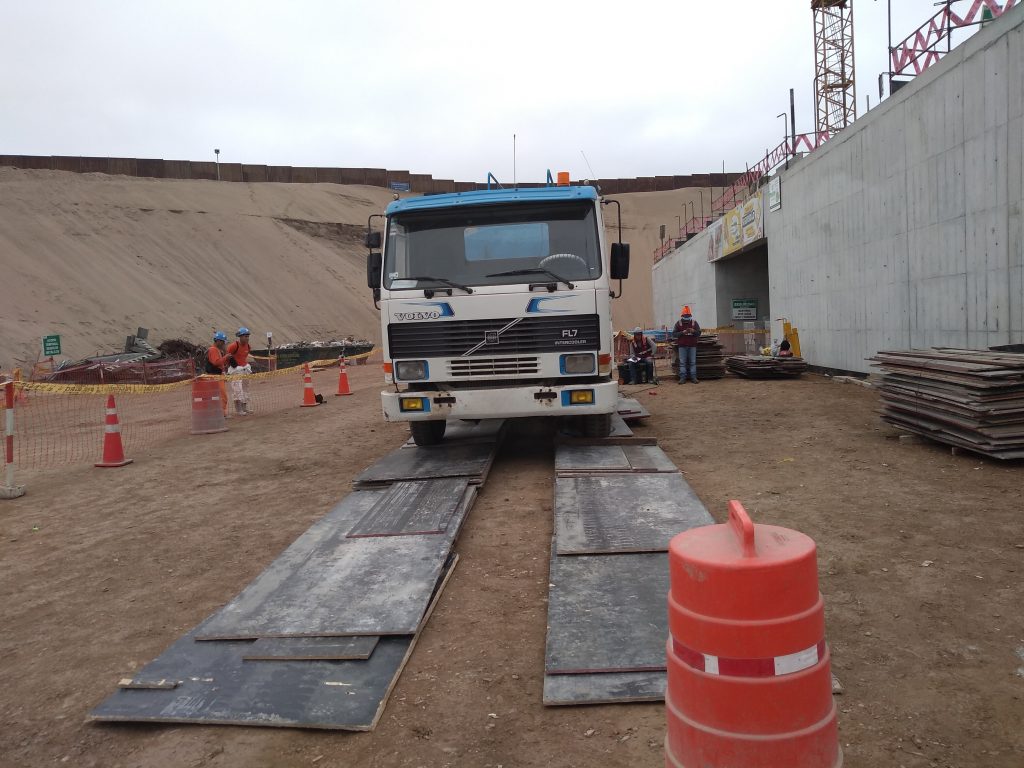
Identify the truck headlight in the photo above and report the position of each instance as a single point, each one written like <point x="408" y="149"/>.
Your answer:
<point x="578" y="363"/>
<point x="411" y="370"/>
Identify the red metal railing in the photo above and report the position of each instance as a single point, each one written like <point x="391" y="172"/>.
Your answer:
<point x="735" y="194"/>
<point x="920" y="49"/>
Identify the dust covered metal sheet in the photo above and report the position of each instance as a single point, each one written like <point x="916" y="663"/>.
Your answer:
<point x="607" y="613"/>
<point x="602" y="459"/>
<point x="217" y="686"/>
<point x="470" y="460"/>
<point x="327" y="584"/>
<point x="576" y="458"/>
<point x="424" y="506"/>
<point x="310" y="648"/>
<point x="605" y="688"/>
<point x="624" y="513"/>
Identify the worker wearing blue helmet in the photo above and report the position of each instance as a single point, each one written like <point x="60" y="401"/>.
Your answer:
<point x="216" y="356"/>
<point x="238" y="365"/>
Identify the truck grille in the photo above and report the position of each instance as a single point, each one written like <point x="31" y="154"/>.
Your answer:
<point x="492" y="366"/>
<point x="505" y="337"/>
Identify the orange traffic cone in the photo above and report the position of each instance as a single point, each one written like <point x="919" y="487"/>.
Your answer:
<point x="308" y="395"/>
<point x="113" y="451"/>
<point x="342" y="380"/>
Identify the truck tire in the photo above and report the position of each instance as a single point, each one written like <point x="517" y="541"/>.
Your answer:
<point x="597" y="425"/>
<point x="427" y="432"/>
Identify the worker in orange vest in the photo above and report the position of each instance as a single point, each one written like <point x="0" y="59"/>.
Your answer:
<point x="686" y="334"/>
<point x="216" y="363"/>
<point x="238" y="365"/>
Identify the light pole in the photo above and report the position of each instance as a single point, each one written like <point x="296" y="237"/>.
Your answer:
<point x="692" y="216"/>
<point x="216" y="161"/>
<point x="785" y="135"/>
<point x="679" y="223"/>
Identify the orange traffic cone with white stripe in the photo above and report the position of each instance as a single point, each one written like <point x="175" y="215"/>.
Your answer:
<point x="113" y="451"/>
<point x="343" y="388"/>
<point x="308" y="395"/>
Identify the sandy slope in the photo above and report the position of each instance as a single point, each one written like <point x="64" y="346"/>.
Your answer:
<point x="92" y="257"/>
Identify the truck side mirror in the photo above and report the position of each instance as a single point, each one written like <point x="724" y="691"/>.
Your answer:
<point x="372" y="240"/>
<point x="374" y="265"/>
<point x="620" y="261"/>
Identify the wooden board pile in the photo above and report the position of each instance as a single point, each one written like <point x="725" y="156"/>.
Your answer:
<point x="710" y="358"/>
<point x="966" y="398"/>
<point x="763" y="367"/>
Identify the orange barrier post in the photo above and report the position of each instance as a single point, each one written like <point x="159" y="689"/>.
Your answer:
<point x="749" y="680"/>
<point x="8" y="490"/>
<point x="207" y="407"/>
<point x="113" y="451"/>
<point x="308" y="395"/>
<point x="343" y="388"/>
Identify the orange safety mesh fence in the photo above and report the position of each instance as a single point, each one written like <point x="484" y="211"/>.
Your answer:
<point x="59" y="424"/>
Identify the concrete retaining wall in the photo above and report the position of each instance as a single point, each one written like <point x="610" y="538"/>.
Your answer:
<point x="378" y="177"/>
<point x="905" y="230"/>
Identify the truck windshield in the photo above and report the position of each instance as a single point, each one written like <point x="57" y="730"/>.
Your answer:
<point x="492" y="245"/>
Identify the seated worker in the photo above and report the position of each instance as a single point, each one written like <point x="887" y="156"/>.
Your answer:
<point x="641" y="354"/>
<point x="785" y="349"/>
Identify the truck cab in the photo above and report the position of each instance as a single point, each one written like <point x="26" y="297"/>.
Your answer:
<point x="496" y="304"/>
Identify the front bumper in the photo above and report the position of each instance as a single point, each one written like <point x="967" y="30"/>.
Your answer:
<point x="511" y="402"/>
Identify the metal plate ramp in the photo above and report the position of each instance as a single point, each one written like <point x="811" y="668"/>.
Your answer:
<point x="319" y="639"/>
<point x="616" y="508"/>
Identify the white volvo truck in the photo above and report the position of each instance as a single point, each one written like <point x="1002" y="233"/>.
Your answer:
<point x="497" y="304"/>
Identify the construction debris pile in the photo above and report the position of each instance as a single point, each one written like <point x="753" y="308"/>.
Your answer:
<point x="966" y="398"/>
<point x="763" y="367"/>
<point x="710" y="357"/>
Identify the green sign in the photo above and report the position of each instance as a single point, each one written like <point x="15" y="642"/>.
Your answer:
<point x="51" y="346"/>
<point x="744" y="309"/>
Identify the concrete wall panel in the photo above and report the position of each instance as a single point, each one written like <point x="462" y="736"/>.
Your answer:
<point x="907" y="229"/>
<point x="254" y="173"/>
<point x="177" y="169"/>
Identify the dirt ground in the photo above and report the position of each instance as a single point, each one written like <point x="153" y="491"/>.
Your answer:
<point x="920" y="560"/>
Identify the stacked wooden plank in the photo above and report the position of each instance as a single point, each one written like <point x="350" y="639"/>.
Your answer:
<point x="710" y="358"/>
<point x="319" y="639"/>
<point x="764" y="367"/>
<point x="966" y="398"/>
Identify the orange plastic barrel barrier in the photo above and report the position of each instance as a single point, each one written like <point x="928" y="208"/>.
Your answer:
<point x="749" y="679"/>
<point x="207" y="407"/>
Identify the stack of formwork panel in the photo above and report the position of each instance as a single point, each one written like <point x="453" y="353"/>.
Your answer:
<point x="763" y="367"/>
<point x="710" y="358"/>
<point x="966" y="398"/>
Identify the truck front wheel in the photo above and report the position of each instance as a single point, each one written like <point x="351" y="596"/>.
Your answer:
<point x="427" y="432"/>
<point x="597" y="425"/>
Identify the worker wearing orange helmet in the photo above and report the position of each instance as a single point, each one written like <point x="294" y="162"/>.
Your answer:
<point x="686" y="334"/>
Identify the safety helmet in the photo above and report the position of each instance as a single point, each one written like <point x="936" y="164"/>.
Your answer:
<point x="220" y="336"/>
<point x="243" y="331"/>
<point x="638" y="329"/>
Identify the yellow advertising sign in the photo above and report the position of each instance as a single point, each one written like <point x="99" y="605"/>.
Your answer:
<point x="743" y="225"/>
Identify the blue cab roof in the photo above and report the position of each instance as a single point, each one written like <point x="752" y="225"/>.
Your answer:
<point x="491" y="197"/>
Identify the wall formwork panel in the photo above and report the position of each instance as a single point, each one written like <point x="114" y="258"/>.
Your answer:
<point x="177" y="169"/>
<point x="254" y="173"/>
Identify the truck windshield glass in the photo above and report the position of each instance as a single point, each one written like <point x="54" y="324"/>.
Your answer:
<point x="472" y="246"/>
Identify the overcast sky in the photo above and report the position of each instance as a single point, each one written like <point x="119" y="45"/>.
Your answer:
<point x="641" y="88"/>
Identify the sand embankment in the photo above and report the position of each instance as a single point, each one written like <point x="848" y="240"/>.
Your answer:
<point x="91" y="257"/>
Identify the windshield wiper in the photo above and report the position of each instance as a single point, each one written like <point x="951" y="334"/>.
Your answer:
<point x="444" y="281"/>
<point x="534" y="271"/>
